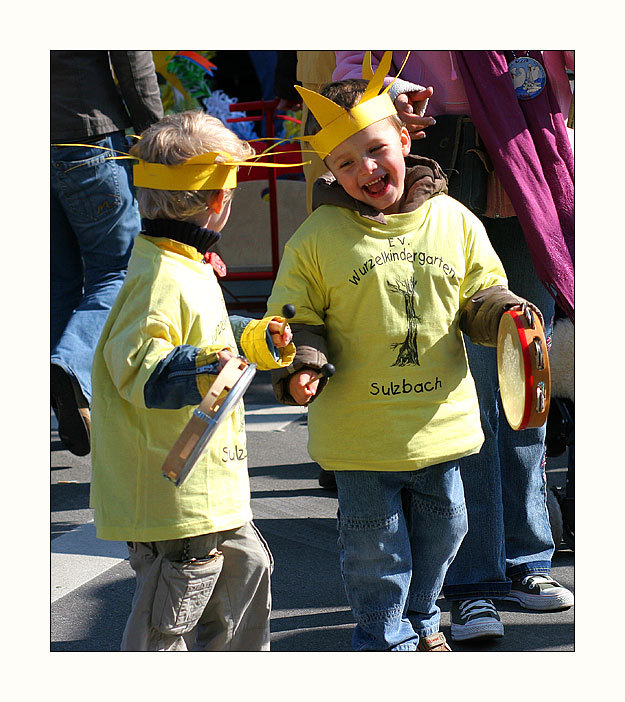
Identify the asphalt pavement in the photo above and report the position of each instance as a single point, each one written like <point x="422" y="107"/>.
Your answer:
<point x="92" y="583"/>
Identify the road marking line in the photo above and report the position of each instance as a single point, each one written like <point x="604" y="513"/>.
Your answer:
<point x="257" y="417"/>
<point x="263" y="418"/>
<point x="78" y="557"/>
<point x="304" y="612"/>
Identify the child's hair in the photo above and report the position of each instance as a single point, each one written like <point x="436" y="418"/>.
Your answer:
<point x="171" y="141"/>
<point x="345" y="93"/>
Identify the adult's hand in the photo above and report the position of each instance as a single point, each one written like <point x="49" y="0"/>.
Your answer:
<point x="411" y="108"/>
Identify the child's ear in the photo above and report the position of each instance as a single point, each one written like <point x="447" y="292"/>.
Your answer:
<point x="217" y="203"/>
<point x="406" y="141"/>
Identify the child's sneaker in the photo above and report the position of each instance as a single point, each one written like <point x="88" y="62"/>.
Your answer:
<point x="540" y="591"/>
<point x="474" y="619"/>
<point x="433" y="642"/>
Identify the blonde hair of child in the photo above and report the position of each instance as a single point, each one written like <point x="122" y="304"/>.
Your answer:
<point x="172" y="141"/>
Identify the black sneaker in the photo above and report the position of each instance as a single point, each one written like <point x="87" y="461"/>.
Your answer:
<point x="326" y="479"/>
<point x="71" y="410"/>
<point x="475" y="619"/>
<point x="541" y="592"/>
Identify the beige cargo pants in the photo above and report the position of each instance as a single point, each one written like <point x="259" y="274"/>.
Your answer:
<point x="203" y="593"/>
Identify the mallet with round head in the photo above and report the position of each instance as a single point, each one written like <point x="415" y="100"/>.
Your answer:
<point x="326" y="371"/>
<point x="288" y="311"/>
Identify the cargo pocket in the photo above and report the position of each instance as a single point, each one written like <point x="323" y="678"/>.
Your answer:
<point x="182" y="593"/>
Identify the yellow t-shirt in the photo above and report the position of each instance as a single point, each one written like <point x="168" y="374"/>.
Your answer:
<point x="169" y="298"/>
<point x="389" y="296"/>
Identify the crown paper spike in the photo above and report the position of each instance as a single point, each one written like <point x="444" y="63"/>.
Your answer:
<point x="324" y="109"/>
<point x="376" y="81"/>
<point x="367" y="69"/>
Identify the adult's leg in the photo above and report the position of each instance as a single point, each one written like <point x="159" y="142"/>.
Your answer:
<point x="97" y="199"/>
<point x="66" y="270"/>
<point x="505" y="482"/>
<point x="479" y="567"/>
<point x="529" y="543"/>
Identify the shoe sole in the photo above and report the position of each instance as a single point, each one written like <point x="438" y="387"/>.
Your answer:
<point x="73" y="429"/>
<point x="487" y="630"/>
<point x="541" y="603"/>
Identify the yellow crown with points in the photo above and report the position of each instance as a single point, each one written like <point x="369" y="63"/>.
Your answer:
<point x="337" y="123"/>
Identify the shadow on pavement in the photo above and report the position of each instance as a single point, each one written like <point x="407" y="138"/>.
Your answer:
<point x="104" y="603"/>
<point x="69" y="496"/>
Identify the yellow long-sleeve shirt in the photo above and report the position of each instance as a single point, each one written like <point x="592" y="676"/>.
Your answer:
<point x="169" y="298"/>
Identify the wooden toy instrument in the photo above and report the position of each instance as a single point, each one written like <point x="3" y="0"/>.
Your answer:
<point x="226" y="391"/>
<point x="523" y="369"/>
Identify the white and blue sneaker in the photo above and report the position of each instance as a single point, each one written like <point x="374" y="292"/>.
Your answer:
<point x="541" y="592"/>
<point x="475" y="619"/>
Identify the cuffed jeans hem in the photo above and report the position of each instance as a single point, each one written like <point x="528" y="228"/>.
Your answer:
<point x="57" y="361"/>
<point x="428" y="631"/>
<point x="520" y="571"/>
<point x="366" y="646"/>
<point x="410" y="646"/>
<point x="470" y="592"/>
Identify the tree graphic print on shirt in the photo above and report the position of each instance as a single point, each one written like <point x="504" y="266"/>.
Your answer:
<point x="408" y="352"/>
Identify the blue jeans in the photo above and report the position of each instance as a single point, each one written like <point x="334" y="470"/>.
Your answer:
<point x="94" y="219"/>
<point x="505" y="483"/>
<point x="398" y="533"/>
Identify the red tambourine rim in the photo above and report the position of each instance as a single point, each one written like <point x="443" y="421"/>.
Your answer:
<point x="527" y="366"/>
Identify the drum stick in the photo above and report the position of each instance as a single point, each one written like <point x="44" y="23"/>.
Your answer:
<point x="288" y="311"/>
<point x="325" y="371"/>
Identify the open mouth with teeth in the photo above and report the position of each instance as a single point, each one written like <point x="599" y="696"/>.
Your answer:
<point x="377" y="187"/>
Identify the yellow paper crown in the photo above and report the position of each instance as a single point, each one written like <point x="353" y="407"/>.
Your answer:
<point x="202" y="172"/>
<point x="337" y="123"/>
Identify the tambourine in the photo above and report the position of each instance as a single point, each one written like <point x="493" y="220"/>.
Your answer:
<point x="226" y="391"/>
<point x="523" y="369"/>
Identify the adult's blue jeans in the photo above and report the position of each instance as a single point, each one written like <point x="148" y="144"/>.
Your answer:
<point x="505" y="483"/>
<point x="94" y="219"/>
<point x="398" y="532"/>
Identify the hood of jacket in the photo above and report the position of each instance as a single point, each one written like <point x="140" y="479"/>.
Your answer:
<point x="424" y="179"/>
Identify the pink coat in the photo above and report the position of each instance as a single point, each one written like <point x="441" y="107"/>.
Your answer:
<point x="438" y="69"/>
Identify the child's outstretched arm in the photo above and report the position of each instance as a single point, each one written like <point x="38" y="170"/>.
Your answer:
<point x="300" y="286"/>
<point x="266" y="342"/>
<point x="184" y="376"/>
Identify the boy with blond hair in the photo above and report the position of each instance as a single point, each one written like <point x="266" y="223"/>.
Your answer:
<point x="385" y="275"/>
<point x="202" y="568"/>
